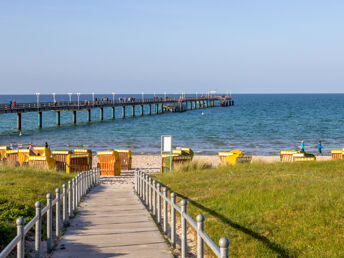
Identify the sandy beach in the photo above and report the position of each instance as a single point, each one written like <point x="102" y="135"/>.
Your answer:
<point x="152" y="163"/>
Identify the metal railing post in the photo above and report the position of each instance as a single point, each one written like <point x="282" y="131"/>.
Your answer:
<point x="76" y="187"/>
<point x="159" y="202"/>
<point x="139" y="184"/>
<point x="153" y="197"/>
<point x="38" y="229"/>
<point x="49" y="222"/>
<point x="64" y="204"/>
<point x="173" y="220"/>
<point x="224" y="243"/>
<point x="183" y="204"/>
<point x="146" y="182"/>
<point x="88" y="181"/>
<point x="82" y="182"/>
<point x="142" y="186"/>
<point x="135" y="180"/>
<point x="165" y="209"/>
<point x="20" y="232"/>
<point x="200" y="245"/>
<point x="57" y="213"/>
<point x="150" y="193"/>
<point x="70" y="194"/>
<point x="74" y="193"/>
<point x="79" y="184"/>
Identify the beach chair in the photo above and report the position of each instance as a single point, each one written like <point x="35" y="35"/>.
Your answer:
<point x="302" y="156"/>
<point x="179" y="156"/>
<point x="287" y="155"/>
<point x="23" y="156"/>
<point x="12" y="157"/>
<point x="336" y="154"/>
<point x="3" y="150"/>
<point x="125" y="157"/>
<point x="60" y="156"/>
<point x="233" y="157"/>
<point x="43" y="162"/>
<point x="237" y="156"/>
<point x="41" y="151"/>
<point x="109" y="163"/>
<point x="84" y="151"/>
<point x="77" y="162"/>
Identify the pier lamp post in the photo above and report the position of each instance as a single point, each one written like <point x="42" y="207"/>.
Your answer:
<point x="37" y="95"/>
<point x="78" y="94"/>
<point x="113" y="98"/>
<point x="165" y="95"/>
<point x="93" y="98"/>
<point x="70" y="97"/>
<point x="54" y="99"/>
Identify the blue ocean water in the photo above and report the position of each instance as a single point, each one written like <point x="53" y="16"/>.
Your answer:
<point x="260" y="124"/>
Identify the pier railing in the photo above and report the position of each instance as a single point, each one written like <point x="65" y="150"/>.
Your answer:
<point x="69" y="199"/>
<point x="149" y="191"/>
<point x="88" y="104"/>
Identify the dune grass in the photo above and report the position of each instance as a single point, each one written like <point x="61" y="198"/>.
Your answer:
<point x="268" y="210"/>
<point x="20" y="188"/>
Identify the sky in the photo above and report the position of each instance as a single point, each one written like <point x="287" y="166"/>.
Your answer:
<point x="104" y="46"/>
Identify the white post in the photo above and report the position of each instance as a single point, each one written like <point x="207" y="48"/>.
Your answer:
<point x="54" y="99"/>
<point x="78" y="98"/>
<point x="184" y="229"/>
<point x="70" y="97"/>
<point x="49" y="222"/>
<point x="113" y="98"/>
<point x="20" y="232"/>
<point x="57" y="213"/>
<point x="70" y="203"/>
<point x="37" y="95"/>
<point x="38" y="229"/>
<point x="64" y="204"/>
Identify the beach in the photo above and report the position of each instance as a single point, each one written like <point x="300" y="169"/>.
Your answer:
<point x="152" y="163"/>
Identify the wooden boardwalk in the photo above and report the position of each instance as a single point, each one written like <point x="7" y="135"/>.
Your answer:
<point x="112" y="222"/>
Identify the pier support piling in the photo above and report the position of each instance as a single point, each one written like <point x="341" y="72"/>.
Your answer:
<point x="40" y="119"/>
<point x="149" y="109"/>
<point x="113" y="112"/>
<point x="141" y="113"/>
<point x="89" y="115"/>
<point x="123" y="111"/>
<point x="133" y="110"/>
<point x="19" y="119"/>
<point x="101" y="114"/>
<point x="74" y="116"/>
<point x="58" y="118"/>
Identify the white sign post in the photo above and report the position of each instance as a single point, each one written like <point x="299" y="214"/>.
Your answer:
<point x="166" y="148"/>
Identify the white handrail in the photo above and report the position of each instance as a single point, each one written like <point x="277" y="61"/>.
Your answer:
<point x="145" y="186"/>
<point x="83" y="182"/>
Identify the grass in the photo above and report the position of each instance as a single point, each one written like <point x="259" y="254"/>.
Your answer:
<point x="20" y="188"/>
<point x="268" y="210"/>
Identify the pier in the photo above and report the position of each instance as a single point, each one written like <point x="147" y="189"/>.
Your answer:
<point x="155" y="106"/>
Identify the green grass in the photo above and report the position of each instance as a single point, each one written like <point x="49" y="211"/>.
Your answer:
<point x="20" y="188"/>
<point x="268" y="210"/>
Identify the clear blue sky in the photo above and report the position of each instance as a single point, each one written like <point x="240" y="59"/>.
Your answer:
<point x="133" y="46"/>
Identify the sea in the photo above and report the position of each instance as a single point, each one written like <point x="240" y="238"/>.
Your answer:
<point x="259" y="124"/>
